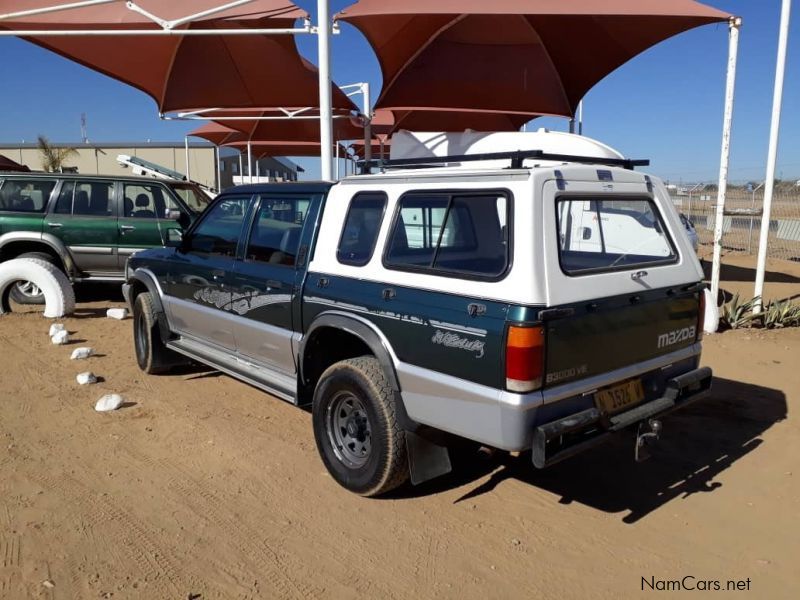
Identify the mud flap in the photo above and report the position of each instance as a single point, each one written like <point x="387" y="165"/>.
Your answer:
<point x="426" y="460"/>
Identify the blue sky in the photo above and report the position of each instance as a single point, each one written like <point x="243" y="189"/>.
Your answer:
<point x="665" y="105"/>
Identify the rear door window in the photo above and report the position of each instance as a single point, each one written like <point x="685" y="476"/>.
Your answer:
<point x="87" y="198"/>
<point x="361" y="227"/>
<point x="25" y="195"/>
<point x="598" y="235"/>
<point x="461" y="234"/>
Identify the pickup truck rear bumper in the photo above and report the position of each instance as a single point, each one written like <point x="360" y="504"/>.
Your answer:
<point x="568" y="436"/>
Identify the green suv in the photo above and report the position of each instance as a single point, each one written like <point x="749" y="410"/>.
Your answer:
<point x="88" y="225"/>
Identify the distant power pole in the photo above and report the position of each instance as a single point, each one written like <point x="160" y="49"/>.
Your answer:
<point x="84" y="137"/>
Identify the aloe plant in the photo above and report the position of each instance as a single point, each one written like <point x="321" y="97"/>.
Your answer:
<point x="774" y="314"/>
<point x="736" y="314"/>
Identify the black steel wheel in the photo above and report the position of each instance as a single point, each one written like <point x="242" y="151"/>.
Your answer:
<point x="356" y="427"/>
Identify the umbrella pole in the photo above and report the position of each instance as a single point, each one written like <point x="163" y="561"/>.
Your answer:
<point x="219" y="170"/>
<point x="249" y="162"/>
<point x="325" y="101"/>
<point x="186" y="148"/>
<point x="368" y="124"/>
<point x="772" y="154"/>
<point x="733" y="48"/>
<point x="241" y="168"/>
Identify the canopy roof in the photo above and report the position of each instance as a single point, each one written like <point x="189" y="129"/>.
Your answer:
<point x="6" y="164"/>
<point x="386" y="122"/>
<point x="512" y="56"/>
<point x="184" y="72"/>
<point x="220" y="135"/>
<point x="295" y="129"/>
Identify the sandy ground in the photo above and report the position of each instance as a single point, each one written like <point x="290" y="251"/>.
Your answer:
<point x="203" y="487"/>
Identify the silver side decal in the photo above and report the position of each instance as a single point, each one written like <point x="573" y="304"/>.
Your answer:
<point x="240" y="303"/>
<point x="453" y="340"/>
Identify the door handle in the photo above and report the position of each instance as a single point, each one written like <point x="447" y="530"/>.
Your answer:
<point x="274" y="284"/>
<point x="217" y="273"/>
<point x="54" y="225"/>
<point x="322" y="282"/>
<point x="388" y="294"/>
<point x="125" y="228"/>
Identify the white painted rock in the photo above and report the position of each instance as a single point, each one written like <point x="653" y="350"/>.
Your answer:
<point x="60" y="337"/>
<point x="55" y="328"/>
<point x="108" y="402"/>
<point x="117" y="313"/>
<point x="86" y="378"/>
<point x="81" y="353"/>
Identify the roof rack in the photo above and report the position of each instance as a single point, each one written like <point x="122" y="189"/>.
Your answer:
<point x="516" y="157"/>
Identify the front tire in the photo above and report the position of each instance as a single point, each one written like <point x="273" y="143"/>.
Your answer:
<point x="356" y="427"/>
<point x="152" y="355"/>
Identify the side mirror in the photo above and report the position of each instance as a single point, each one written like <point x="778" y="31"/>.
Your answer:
<point x="172" y="215"/>
<point x="174" y="238"/>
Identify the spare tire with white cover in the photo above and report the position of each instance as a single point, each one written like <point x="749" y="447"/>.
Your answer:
<point x="59" y="297"/>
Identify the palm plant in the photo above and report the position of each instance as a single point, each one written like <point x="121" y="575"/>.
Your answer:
<point x="53" y="158"/>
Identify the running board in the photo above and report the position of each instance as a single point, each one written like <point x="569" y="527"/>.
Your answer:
<point x="271" y="381"/>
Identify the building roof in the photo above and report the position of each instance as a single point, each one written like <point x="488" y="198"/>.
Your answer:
<point x="122" y="144"/>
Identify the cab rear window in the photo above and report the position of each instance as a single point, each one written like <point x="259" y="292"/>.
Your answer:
<point x="597" y="235"/>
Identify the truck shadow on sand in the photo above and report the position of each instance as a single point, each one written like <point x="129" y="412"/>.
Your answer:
<point x="696" y="445"/>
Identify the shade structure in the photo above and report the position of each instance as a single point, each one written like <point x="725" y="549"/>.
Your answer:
<point x="387" y="121"/>
<point x="218" y="134"/>
<point x="184" y="72"/>
<point x="6" y="164"/>
<point x="270" y="124"/>
<point x="262" y="148"/>
<point x="512" y="56"/>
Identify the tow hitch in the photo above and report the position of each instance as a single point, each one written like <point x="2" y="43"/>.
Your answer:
<point x="646" y="434"/>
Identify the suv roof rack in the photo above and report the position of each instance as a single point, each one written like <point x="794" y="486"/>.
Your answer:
<point x="516" y="157"/>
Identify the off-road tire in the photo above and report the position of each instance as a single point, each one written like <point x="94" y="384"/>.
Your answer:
<point x="18" y="295"/>
<point x="56" y="288"/>
<point x="387" y="464"/>
<point x="152" y="355"/>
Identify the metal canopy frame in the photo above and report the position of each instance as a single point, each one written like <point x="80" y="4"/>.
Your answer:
<point x="324" y="30"/>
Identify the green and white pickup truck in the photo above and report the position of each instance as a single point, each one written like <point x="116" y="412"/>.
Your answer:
<point x="539" y="300"/>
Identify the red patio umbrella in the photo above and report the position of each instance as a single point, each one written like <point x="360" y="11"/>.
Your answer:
<point x="295" y="129"/>
<point x="184" y="72"/>
<point x="387" y="121"/>
<point x="262" y="148"/>
<point x="511" y="56"/>
<point x="6" y="164"/>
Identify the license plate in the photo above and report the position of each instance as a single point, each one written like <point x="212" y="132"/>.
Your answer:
<point x="619" y="397"/>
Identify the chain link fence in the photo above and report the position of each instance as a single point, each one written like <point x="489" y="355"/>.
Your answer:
<point x="741" y="227"/>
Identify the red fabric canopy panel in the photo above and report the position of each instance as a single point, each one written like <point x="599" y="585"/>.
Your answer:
<point x="512" y="56"/>
<point x="186" y="72"/>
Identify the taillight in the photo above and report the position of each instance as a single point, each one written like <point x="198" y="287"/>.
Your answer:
<point x="524" y="358"/>
<point x="701" y="317"/>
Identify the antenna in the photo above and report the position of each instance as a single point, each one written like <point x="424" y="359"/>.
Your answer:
<point x="84" y="137"/>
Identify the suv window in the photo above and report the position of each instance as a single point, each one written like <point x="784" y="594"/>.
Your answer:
<point x="91" y="198"/>
<point x="218" y="233"/>
<point x="191" y="195"/>
<point x="459" y="234"/>
<point x="275" y="237"/>
<point x="361" y="228"/>
<point x="146" y="201"/>
<point x="611" y="234"/>
<point x="25" y="195"/>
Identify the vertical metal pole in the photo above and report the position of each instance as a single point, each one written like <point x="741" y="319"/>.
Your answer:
<point x="772" y="154"/>
<point x="368" y="124"/>
<point x="241" y="168"/>
<point x="219" y="169"/>
<point x="572" y="125"/>
<point x="249" y="162"/>
<point x="186" y="147"/>
<point x="337" y="161"/>
<point x="580" y="117"/>
<point x="325" y="101"/>
<point x="730" y="85"/>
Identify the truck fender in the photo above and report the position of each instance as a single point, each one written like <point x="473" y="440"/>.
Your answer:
<point x="148" y="280"/>
<point x="362" y="329"/>
<point x="47" y="239"/>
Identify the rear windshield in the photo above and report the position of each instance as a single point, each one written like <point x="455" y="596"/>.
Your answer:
<point x="611" y="234"/>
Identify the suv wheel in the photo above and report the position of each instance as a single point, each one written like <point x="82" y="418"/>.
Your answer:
<point x="152" y="355"/>
<point x="356" y="427"/>
<point x="27" y="292"/>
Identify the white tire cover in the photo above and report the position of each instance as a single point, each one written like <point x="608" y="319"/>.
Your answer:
<point x="59" y="297"/>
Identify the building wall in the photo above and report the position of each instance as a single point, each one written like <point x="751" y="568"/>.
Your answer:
<point x="266" y="169"/>
<point x="102" y="159"/>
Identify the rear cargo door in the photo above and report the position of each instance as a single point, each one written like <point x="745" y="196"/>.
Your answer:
<point x="622" y="286"/>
